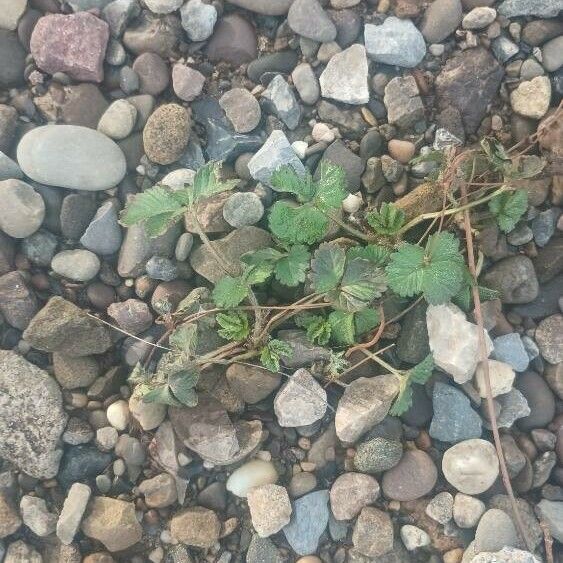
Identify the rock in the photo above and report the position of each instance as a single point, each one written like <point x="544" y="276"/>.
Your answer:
<point x="31" y="418"/>
<point x="441" y="19"/>
<point x="281" y="101"/>
<point x="414" y="537"/>
<point x="12" y="59"/>
<point x="19" y="551"/>
<point x="413" y="477"/>
<point x="81" y="463"/>
<point x="9" y="168"/>
<point x="467" y="510"/>
<point x="531" y="98"/>
<point x="403" y="103"/>
<point x="365" y="402"/>
<point x="373" y="533"/>
<point x="262" y="550"/>
<point x="551" y="54"/>
<point x="118" y="120"/>
<point x="340" y="155"/>
<point x="36" y="516"/>
<point x="10" y="520"/>
<point x="549" y="336"/>
<point x="514" y="277"/>
<point x="76" y="212"/>
<point x="166" y="133"/>
<point x="118" y="13"/>
<point x="148" y="415"/>
<point x="301" y="15"/>
<point x="232" y="247"/>
<point x="252" y="474"/>
<point x="233" y="41"/>
<point x="395" y="42"/>
<point x="11" y="14"/>
<point x="513" y="405"/>
<point x="196" y="526"/>
<point x="242" y="109"/>
<point x="505" y="555"/>
<point x="153" y="73"/>
<point x="377" y="454"/>
<point x="72" y="372"/>
<point x="469" y="81"/>
<point x="345" y="76"/>
<point x="552" y="514"/>
<point x="306" y="83"/>
<point x="471" y="466"/>
<point x="62" y="327"/>
<point x="454" y="420"/>
<point x="187" y="82"/>
<point x="270" y="509"/>
<point x="132" y="315"/>
<point x="163" y="6"/>
<point x="479" y="18"/>
<point x="537" y="32"/>
<point x="18" y="303"/>
<point x="72" y="512"/>
<point x="103" y="234"/>
<point x="308" y="522"/>
<point x="509" y="348"/>
<point x="118" y="415"/>
<point x="159" y="491"/>
<point x="198" y="19"/>
<point x="23" y="209"/>
<point x="112" y="522"/>
<point x="440" y="508"/>
<point x="153" y="33"/>
<point x="77" y="265"/>
<point x="501" y="377"/>
<point x="303" y="352"/>
<point x="541" y="8"/>
<point x="540" y="400"/>
<point x="495" y="531"/>
<point x="69" y="156"/>
<point x="543" y="226"/>
<point x="453" y="341"/>
<point x="301" y="484"/>
<point x="350" y="493"/>
<point x="252" y="383"/>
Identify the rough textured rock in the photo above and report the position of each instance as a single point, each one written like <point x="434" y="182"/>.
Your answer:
<point x="166" y="133"/>
<point x="31" y="417"/>
<point x="72" y="512"/>
<point x="350" y="493"/>
<point x="403" y="102"/>
<point x="515" y="278"/>
<point x="270" y="509"/>
<point x="373" y="533"/>
<point x="197" y="526"/>
<point x="18" y="303"/>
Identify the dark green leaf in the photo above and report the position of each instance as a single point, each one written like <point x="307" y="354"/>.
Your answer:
<point x="182" y="386"/>
<point x="207" y="182"/>
<point x="318" y="331"/>
<point x="258" y="273"/>
<point x="271" y="354"/>
<point x="422" y="372"/>
<point x="292" y="268"/>
<point x="376" y="254"/>
<point x="286" y="180"/>
<point x="403" y="402"/>
<point x="387" y="221"/>
<point x="163" y="395"/>
<point x="327" y="267"/>
<point x="366" y="320"/>
<point x="342" y="325"/>
<point x="184" y="338"/>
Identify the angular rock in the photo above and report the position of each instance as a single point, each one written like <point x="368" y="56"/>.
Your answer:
<point x="549" y="336"/>
<point x="308" y="19"/>
<point x="281" y="101"/>
<point x="103" y="234"/>
<point x="36" y="516"/>
<point x="515" y="278"/>
<point x="403" y="103"/>
<point x="509" y="348"/>
<point x="148" y="415"/>
<point x="196" y="526"/>
<point x="350" y="493"/>
<point x="72" y="512"/>
<point x="540" y="8"/>
<point x="270" y="509"/>
<point x="531" y="98"/>
<point x="252" y="383"/>
<point x="18" y="303"/>
<point x="159" y="491"/>
<point x="198" y="19"/>
<point x="373" y="533"/>
<point x="501" y="377"/>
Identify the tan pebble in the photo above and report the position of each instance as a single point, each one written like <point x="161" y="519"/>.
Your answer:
<point x="453" y="556"/>
<point x="402" y="151"/>
<point x="308" y="466"/>
<point x="310" y="559"/>
<point x="229" y="526"/>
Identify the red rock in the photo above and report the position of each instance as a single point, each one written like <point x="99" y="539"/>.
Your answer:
<point x="74" y="44"/>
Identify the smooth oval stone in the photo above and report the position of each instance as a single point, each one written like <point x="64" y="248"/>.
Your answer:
<point x="251" y="474"/>
<point x="70" y="156"/>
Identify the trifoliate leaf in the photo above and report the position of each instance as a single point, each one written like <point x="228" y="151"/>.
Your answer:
<point x="330" y="187"/>
<point x="403" y="402"/>
<point x="287" y="180"/>
<point x="376" y="254"/>
<point x="271" y="354"/>
<point x="342" y="327"/>
<point x="163" y="395"/>
<point x="157" y="208"/>
<point x="207" y="182"/>
<point x="297" y="225"/>
<point x="366" y="320"/>
<point x="291" y="268"/>
<point x="508" y="207"/>
<point x="184" y="338"/>
<point x="387" y="221"/>
<point x="327" y="267"/>
<point x="422" y="372"/>
<point x="229" y="291"/>
<point x="234" y="325"/>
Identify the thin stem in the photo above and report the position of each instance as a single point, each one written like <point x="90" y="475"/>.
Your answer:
<point x="351" y="230"/>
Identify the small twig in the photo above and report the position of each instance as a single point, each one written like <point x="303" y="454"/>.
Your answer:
<point x="373" y="341"/>
<point x="366" y="359"/>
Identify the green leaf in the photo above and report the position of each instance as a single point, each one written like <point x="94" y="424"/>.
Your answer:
<point x="508" y="207"/>
<point x="422" y="372"/>
<point x="182" y="386"/>
<point x="376" y="254"/>
<point x="387" y="221"/>
<point x="342" y="327"/>
<point x="405" y="271"/>
<point x="319" y="330"/>
<point x="297" y="225"/>
<point x="157" y="208"/>
<point x="207" y="182"/>
<point x="327" y="267"/>
<point x="258" y="273"/>
<point x="291" y="269"/>
<point x="234" y="325"/>
<point x="403" y="402"/>
<point x="432" y="156"/>
<point x="229" y="291"/>
<point x="271" y="354"/>
<point x="184" y="338"/>
<point x="495" y="154"/>
<point x="163" y="395"/>
<point x="366" y="320"/>
<point x="138" y="375"/>
<point x="336" y="365"/>
<point x="526" y="166"/>
<point x="330" y="187"/>
<point x="286" y="180"/>
<point x="270" y="255"/>
<point x="464" y="298"/>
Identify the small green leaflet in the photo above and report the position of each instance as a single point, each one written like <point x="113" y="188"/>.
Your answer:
<point x="419" y="374"/>
<point x="327" y="267"/>
<point x="297" y="225"/>
<point x="437" y="271"/>
<point x="330" y="188"/>
<point x="273" y="352"/>
<point x="184" y="338"/>
<point x="234" y="325"/>
<point x="318" y="329"/>
<point x="336" y="365"/>
<point x="508" y="207"/>
<point x="377" y="255"/>
<point x="286" y="180"/>
<point x="289" y="266"/>
<point x="207" y="182"/>
<point x="387" y="221"/>
<point x="464" y="299"/>
<point x="366" y="320"/>
<point x="342" y="327"/>
<point x="230" y="292"/>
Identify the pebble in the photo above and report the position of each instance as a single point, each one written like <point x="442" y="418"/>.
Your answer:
<point x="403" y="103"/>
<point x="20" y="551"/>
<point x="9" y="169"/>
<point x="178" y="179"/>
<point x="479" y="18"/>
<point x="414" y="538"/>
<point x="403" y="151"/>
<point x="159" y="491"/>
<point x="495" y="531"/>
<point x="345" y="78"/>
<point x="187" y="82"/>
<point x="252" y="474"/>
<point x="103" y="234"/>
<point x="77" y="432"/>
<point x="242" y="209"/>
<point x="252" y="383"/>
<point x="282" y="102"/>
<point x="395" y="42"/>
<point x="81" y="463"/>
<point x="531" y="98"/>
<point x="552" y="513"/>
<point x="440" y="508"/>
<point x="118" y="120"/>
<point x="440" y="20"/>
<point x="76" y="212"/>
<point x="72" y="512"/>
<point x="77" y="265"/>
<point x="306" y="83"/>
<point x="12" y="59"/>
<point x="148" y="415"/>
<point x="106" y="438"/>
<point x="72" y="373"/>
<point x="540" y="399"/>
<point x="542" y="9"/>
<point x="350" y="493"/>
<point x="153" y="73"/>
<point x="270" y="508"/>
<point x="308" y="19"/>
<point x="543" y="226"/>
<point x="198" y="19"/>
<point x="412" y="478"/>
<point x="509" y="348"/>
<point x="471" y="466"/>
<point x="118" y="415"/>
<point x="242" y="109"/>
<point x="166" y="134"/>
<point x="501" y="377"/>
<point x="132" y="315"/>
<point x="467" y="510"/>
<point x="549" y="337"/>
<point x="264" y="7"/>
<point x="301" y="484"/>
<point x="36" y="517"/>
<point x="552" y="59"/>
<point x="11" y="14"/>
<point x="233" y="41"/>
<point x="69" y="156"/>
<point x="373" y="533"/>
<point x="163" y="6"/>
<point x="377" y="454"/>
<point x="352" y="203"/>
<point x="515" y="278"/>
<point x="22" y="210"/>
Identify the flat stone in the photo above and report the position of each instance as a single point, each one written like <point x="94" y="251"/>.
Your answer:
<point x="72" y="372"/>
<point x="306" y="83"/>
<point x="531" y="98"/>
<point x="509" y="348"/>
<point x="495" y="531"/>
<point x="403" y="102"/>
<point x="252" y="383"/>
<point x="270" y="509"/>
<point x="36" y="516"/>
<point x="242" y="109"/>
<point x="166" y="133"/>
<point x="340" y="155"/>
<point x="198" y="19"/>
<point x="72" y="512"/>
<point x="77" y="265"/>
<point x="187" y="82"/>
<point x="73" y="44"/>
<point x="552" y="513"/>
<point x="551" y="54"/>
<point x="23" y="209"/>
<point x="308" y="19"/>
<point x="103" y="234"/>
<point x="412" y="478"/>
<point x="350" y="493"/>
<point x="373" y="533"/>
<point x="69" y="156"/>
<point x="479" y="18"/>
<point x="32" y="418"/>
<point x="197" y="526"/>
<point x="153" y="73"/>
<point x="540" y="8"/>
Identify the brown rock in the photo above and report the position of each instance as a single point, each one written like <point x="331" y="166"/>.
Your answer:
<point x="166" y="133"/>
<point x="373" y="532"/>
<point x="413" y="477"/>
<point x="233" y="41"/>
<point x="197" y="526"/>
<point x="350" y="493"/>
<point x="10" y="519"/>
<point x="252" y="383"/>
<point x="153" y="72"/>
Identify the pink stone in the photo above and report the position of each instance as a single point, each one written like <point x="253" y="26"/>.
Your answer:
<point x="74" y="44"/>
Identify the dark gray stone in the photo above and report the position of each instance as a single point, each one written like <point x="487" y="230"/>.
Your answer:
<point x="338" y="153"/>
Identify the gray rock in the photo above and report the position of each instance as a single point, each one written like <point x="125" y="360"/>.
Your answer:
<point x="118" y="121"/>
<point x="509" y="348"/>
<point x="345" y="78"/>
<point x="12" y="59"/>
<point x="308" y="19"/>
<point x="265" y="7"/>
<point x="36" y="516"/>
<point x="263" y="550"/>
<point x="552" y="513"/>
<point x="440" y="508"/>
<point x="242" y="109"/>
<point x="118" y="14"/>
<point x="412" y="344"/>
<point x="69" y="156"/>
<point x="504" y="49"/>
<point x="153" y="73"/>
<point x="520" y="235"/>
<point x="233" y="41"/>
<point x="161" y="268"/>
<point x="20" y="551"/>
<point x="542" y="467"/>
<point x="403" y="102"/>
<point x="543" y="226"/>
<point x="280" y="62"/>
<point x="252" y="383"/>
<point x="72" y="512"/>
<point x="479" y="17"/>
<point x="198" y="19"/>
<point x="549" y="336"/>
<point x="32" y="418"/>
<point x="308" y="522"/>
<point x="243" y="209"/>
<point x="9" y="169"/>
<point x="22" y="210"/>
<point x="306" y="83"/>
<point x="40" y="247"/>
<point x="441" y="19"/>
<point x="77" y="265"/>
<point x="539" y="8"/>
<point x="551" y="54"/>
<point x="281" y="101"/>
<point x="132" y="315"/>
<point x="377" y="454"/>
<point x="454" y="420"/>
<point x="187" y="82"/>
<point x="513" y="405"/>
<point x="515" y="278"/>
<point x="163" y="6"/>
<point x="340" y="155"/>
<point x="395" y="42"/>
<point x="18" y="303"/>
<point x="76" y="212"/>
<point x="275" y="153"/>
<point x="373" y="533"/>
<point x="103" y="235"/>
<point x="505" y="555"/>
<point x="495" y="531"/>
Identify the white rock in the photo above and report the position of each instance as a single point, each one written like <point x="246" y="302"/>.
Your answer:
<point x="479" y="17"/>
<point x="467" y="510"/>
<point x="270" y="509"/>
<point x="300" y="148"/>
<point x="471" y="466"/>
<point x="252" y="474"/>
<point x="352" y="203"/>
<point x="454" y="341"/>
<point x="148" y="415"/>
<point x="118" y="120"/>
<point x="72" y="512"/>
<point x="301" y="401"/>
<point x="10" y="13"/>
<point x="501" y="376"/>
<point x="118" y="415"/>
<point x="177" y="179"/>
<point x="322" y="132"/>
<point x="106" y="438"/>
<point x="78" y="265"/>
<point x="440" y="507"/>
<point x="36" y="516"/>
<point x="414" y="537"/>
<point x="198" y="19"/>
<point x="163" y="6"/>
<point x="531" y="98"/>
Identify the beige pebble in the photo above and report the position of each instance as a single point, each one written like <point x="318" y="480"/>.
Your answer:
<point x="402" y="151"/>
<point x="309" y="559"/>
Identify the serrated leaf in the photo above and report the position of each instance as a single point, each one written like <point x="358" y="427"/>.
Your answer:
<point x="508" y="207"/>
<point x="387" y="221"/>
<point x="376" y="254"/>
<point x="431" y="156"/>
<point x="291" y="269"/>
<point x="138" y="375"/>
<point x="366" y="320"/>
<point x="163" y="395"/>
<point x="330" y="187"/>
<point x="319" y="330"/>
<point x="287" y="180"/>
<point x="405" y="271"/>
<point x="422" y="372"/>
<point x="297" y="225"/>
<point x="207" y="182"/>
<point x="258" y="273"/>
<point x="327" y="266"/>
<point x="184" y="338"/>
<point x="229" y="291"/>
<point x="402" y="403"/>
<point x="234" y="325"/>
<point x="342" y="327"/>
<point x="271" y="354"/>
